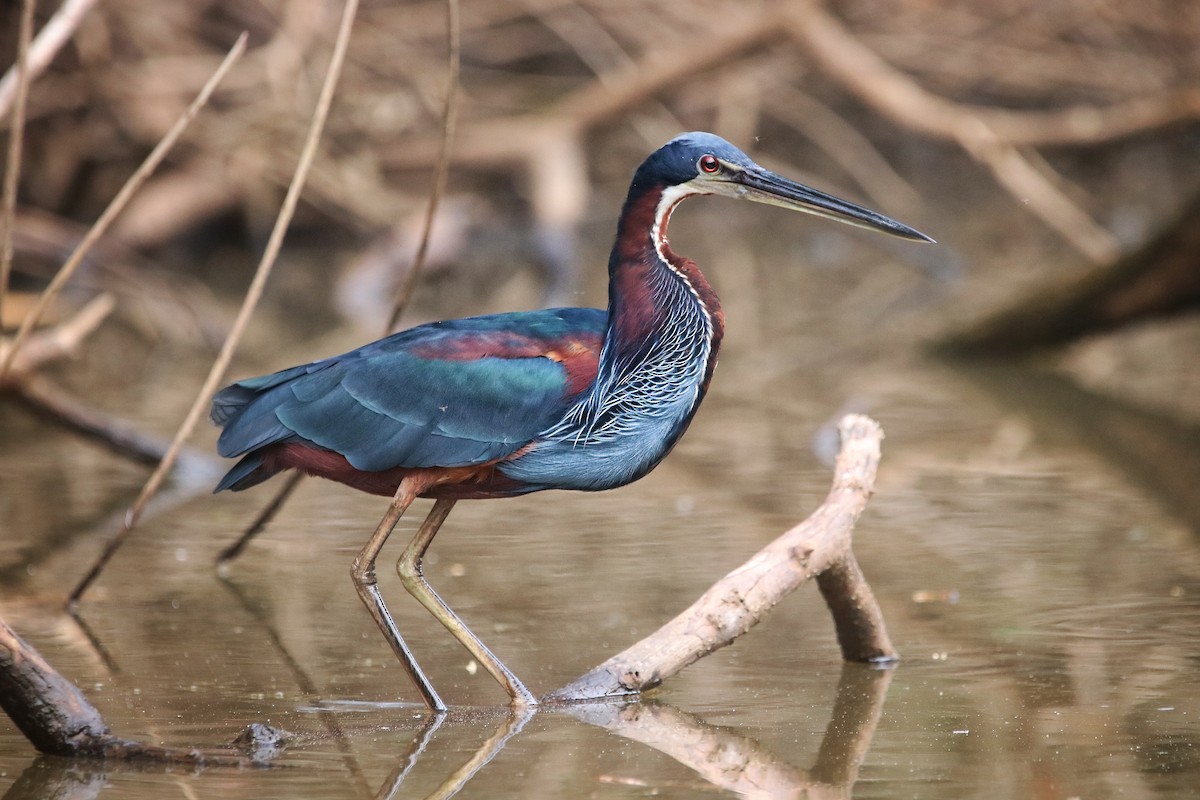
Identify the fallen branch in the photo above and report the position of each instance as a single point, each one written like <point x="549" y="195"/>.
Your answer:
<point x="1156" y="280"/>
<point x="58" y="720"/>
<point x="819" y="547"/>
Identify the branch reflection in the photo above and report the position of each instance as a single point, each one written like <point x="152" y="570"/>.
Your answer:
<point x="736" y="763"/>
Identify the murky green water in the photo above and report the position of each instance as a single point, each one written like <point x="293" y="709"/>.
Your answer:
<point x="1045" y="595"/>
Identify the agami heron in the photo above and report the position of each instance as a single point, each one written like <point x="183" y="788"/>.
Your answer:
<point x="507" y="404"/>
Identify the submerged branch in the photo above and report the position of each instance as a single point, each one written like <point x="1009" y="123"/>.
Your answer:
<point x="57" y="719"/>
<point x="819" y="548"/>
<point x="1155" y="280"/>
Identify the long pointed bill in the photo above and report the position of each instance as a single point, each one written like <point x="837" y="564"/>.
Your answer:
<point x="764" y="186"/>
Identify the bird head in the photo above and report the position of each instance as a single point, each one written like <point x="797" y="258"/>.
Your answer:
<point x="702" y="163"/>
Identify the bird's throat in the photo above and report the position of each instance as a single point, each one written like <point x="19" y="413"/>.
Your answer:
<point x="652" y="290"/>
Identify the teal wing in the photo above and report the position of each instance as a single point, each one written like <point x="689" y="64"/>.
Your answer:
<point x="449" y="394"/>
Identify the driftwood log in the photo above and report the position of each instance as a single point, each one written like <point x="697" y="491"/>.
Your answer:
<point x="817" y="548"/>
<point x="57" y="719"/>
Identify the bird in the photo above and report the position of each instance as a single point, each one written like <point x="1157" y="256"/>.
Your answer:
<point x="507" y="404"/>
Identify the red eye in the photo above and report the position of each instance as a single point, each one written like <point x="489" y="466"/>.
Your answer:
<point x="709" y="164"/>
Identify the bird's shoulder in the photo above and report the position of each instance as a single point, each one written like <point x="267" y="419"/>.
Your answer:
<point x="515" y="334"/>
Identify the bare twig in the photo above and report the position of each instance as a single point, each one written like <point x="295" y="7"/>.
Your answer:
<point x="449" y="116"/>
<point x="8" y="215"/>
<point x="743" y="597"/>
<point x="117" y="205"/>
<point x="248" y="305"/>
<point x="43" y="49"/>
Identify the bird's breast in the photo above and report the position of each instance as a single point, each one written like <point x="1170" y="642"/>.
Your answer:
<point x="638" y="406"/>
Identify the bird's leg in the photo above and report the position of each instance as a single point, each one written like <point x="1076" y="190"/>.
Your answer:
<point x="363" y="573"/>
<point x="409" y="568"/>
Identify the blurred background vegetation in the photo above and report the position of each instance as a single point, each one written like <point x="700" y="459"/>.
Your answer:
<point x="1078" y="114"/>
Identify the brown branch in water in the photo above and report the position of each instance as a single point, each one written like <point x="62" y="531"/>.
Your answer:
<point x="861" y="631"/>
<point x="50" y="710"/>
<point x="1158" y="279"/>
<point x="743" y="597"/>
<point x="57" y="718"/>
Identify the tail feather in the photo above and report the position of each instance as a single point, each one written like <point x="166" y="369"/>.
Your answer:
<point x="250" y="471"/>
<point x="246" y="412"/>
<point x="228" y="402"/>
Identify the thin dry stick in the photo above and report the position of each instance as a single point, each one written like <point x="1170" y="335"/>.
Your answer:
<point x="47" y="44"/>
<point x="261" y="521"/>
<point x="307" y="154"/>
<point x="442" y="170"/>
<point x="100" y="227"/>
<point x="449" y="116"/>
<point x="16" y="139"/>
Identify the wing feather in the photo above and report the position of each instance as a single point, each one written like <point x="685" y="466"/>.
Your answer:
<point x="448" y="394"/>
